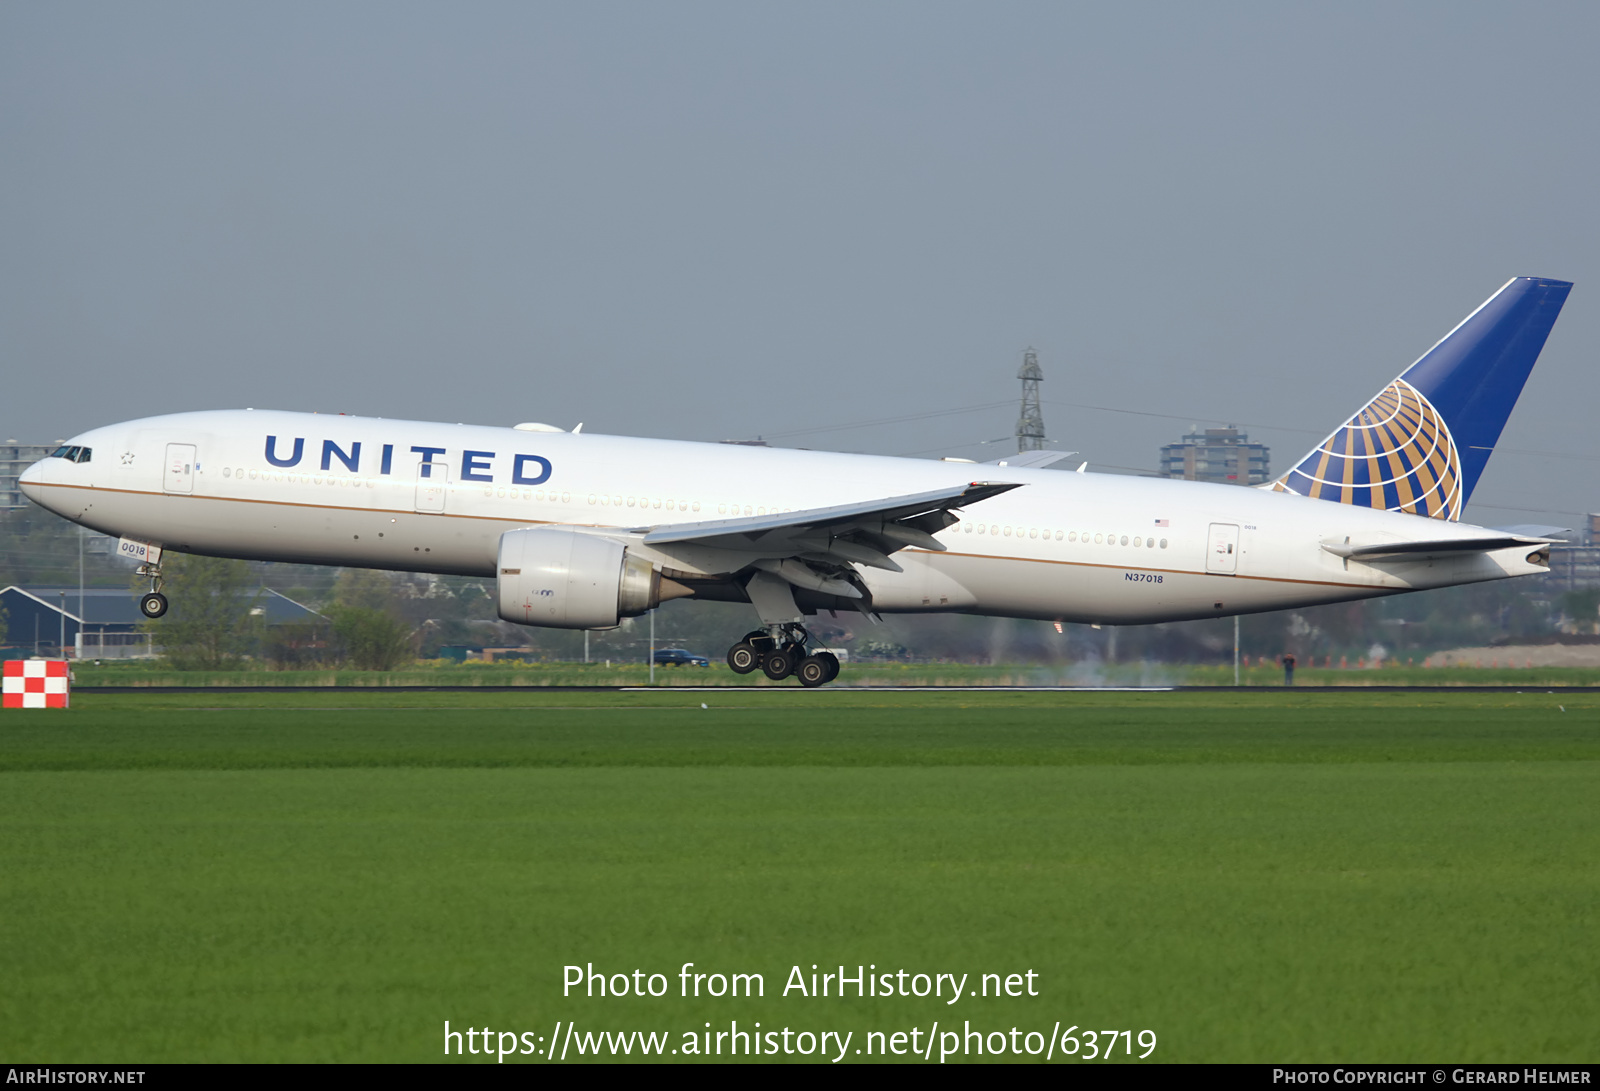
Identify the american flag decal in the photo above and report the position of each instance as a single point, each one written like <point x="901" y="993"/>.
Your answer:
<point x="35" y="683"/>
<point x="1161" y="522"/>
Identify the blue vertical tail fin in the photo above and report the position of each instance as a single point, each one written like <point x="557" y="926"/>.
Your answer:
<point x="1422" y="443"/>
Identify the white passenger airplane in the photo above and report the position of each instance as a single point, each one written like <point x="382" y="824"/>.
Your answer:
<point x="580" y="530"/>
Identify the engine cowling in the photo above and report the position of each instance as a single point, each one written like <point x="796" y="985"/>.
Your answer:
<point x="562" y="579"/>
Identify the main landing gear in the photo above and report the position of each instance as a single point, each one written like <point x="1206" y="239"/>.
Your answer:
<point x="780" y="651"/>
<point x="153" y="604"/>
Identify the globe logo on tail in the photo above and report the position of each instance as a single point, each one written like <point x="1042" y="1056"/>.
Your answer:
<point x="1396" y="454"/>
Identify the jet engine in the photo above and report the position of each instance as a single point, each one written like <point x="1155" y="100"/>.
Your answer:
<point x="563" y="579"/>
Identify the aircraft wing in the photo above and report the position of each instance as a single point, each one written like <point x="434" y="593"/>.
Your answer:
<point x="750" y="530"/>
<point x="1037" y="460"/>
<point x="865" y="532"/>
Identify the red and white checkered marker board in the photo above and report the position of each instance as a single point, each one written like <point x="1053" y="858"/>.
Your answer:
<point x="35" y="683"/>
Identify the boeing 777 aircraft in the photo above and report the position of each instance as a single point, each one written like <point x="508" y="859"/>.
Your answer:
<point x="581" y="530"/>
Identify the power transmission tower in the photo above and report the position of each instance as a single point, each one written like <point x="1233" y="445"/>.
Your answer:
<point x="1030" y="426"/>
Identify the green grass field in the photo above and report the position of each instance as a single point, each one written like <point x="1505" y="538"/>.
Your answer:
<point x="1266" y="876"/>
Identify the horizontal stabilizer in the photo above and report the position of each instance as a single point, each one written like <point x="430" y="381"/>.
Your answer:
<point x="1419" y="551"/>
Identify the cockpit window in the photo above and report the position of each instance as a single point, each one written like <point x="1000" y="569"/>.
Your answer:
<point x="72" y="454"/>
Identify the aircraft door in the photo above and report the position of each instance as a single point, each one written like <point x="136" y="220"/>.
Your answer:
<point x="433" y="485"/>
<point x="1222" y="549"/>
<point x="179" y="474"/>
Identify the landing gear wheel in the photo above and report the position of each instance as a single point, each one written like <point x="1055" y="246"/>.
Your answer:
<point x="813" y="671"/>
<point x="743" y="658"/>
<point x="832" y="663"/>
<point x="153" y="605"/>
<point x="779" y="664"/>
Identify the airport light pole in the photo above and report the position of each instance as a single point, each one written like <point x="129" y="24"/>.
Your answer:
<point x="81" y="615"/>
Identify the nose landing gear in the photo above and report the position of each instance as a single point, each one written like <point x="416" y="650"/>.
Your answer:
<point x="780" y="652"/>
<point x="153" y="604"/>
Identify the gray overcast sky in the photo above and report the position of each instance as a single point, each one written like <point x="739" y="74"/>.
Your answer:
<point x="707" y="221"/>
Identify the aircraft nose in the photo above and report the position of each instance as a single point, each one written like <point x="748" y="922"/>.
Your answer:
<point x="32" y="479"/>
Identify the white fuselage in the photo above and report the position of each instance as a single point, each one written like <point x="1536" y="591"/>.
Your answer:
<point x="428" y="497"/>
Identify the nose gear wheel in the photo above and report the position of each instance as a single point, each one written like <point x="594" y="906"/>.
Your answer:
<point x="154" y="603"/>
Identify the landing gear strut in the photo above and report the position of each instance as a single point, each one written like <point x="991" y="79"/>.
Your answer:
<point x="154" y="604"/>
<point x="779" y="651"/>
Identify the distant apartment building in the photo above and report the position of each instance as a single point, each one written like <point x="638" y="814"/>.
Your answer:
<point x="14" y="458"/>
<point x="1576" y="565"/>
<point x="1223" y="456"/>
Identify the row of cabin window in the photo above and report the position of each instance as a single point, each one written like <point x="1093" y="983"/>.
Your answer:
<point x="371" y="483"/>
<point x="722" y="509"/>
<point x="300" y="479"/>
<point x="532" y="494"/>
<point x="539" y="495"/>
<point x="643" y="502"/>
<point x="1138" y="541"/>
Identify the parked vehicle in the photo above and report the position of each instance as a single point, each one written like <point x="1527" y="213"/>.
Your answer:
<point x="678" y="657"/>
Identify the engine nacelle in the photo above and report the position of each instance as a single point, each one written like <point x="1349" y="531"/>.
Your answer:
<point x="562" y="579"/>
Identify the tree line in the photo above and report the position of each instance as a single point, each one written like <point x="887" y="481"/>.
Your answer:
<point x="216" y="620"/>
